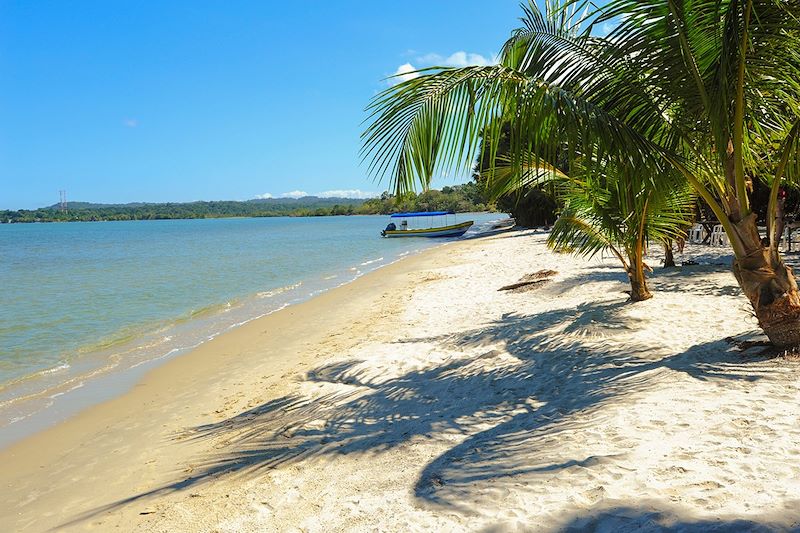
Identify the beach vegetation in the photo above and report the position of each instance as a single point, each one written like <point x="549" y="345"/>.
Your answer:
<point x="609" y="207"/>
<point x="533" y="205"/>
<point x="708" y="90"/>
<point x="620" y="211"/>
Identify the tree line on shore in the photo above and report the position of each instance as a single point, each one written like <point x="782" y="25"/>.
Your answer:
<point x="459" y="198"/>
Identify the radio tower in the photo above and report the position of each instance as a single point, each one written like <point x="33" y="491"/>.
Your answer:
<point x="62" y="201"/>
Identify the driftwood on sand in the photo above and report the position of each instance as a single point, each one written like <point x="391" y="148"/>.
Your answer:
<point x="530" y="282"/>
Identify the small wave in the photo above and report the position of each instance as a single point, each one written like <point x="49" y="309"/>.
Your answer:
<point x="34" y="375"/>
<point x="330" y="277"/>
<point x="56" y="395"/>
<point x="365" y="263"/>
<point x="46" y="392"/>
<point x="59" y="368"/>
<point x="208" y="310"/>
<point x="119" y="338"/>
<point x="166" y="354"/>
<point x="279" y="290"/>
<point x="129" y="339"/>
<point x="243" y="322"/>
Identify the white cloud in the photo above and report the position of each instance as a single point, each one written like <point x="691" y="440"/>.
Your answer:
<point x="404" y="72"/>
<point x="348" y="193"/>
<point x="294" y="194"/>
<point x="130" y="122"/>
<point x="336" y="193"/>
<point x="463" y="59"/>
<point x="457" y="59"/>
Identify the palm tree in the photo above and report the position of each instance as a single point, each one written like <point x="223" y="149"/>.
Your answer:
<point x="728" y="76"/>
<point x="608" y="206"/>
<point x="692" y="85"/>
<point x="621" y="211"/>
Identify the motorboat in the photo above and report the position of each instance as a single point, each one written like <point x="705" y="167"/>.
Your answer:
<point x="399" y="225"/>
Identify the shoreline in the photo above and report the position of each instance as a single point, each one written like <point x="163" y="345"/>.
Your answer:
<point x="48" y="396"/>
<point x="420" y="398"/>
<point x="49" y="389"/>
<point x="204" y="364"/>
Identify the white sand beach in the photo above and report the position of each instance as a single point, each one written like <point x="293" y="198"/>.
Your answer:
<point x="421" y="398"/>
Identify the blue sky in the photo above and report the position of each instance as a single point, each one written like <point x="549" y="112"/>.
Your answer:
<point x="181" y="101"/>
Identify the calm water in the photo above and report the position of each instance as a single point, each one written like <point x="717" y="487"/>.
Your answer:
<point x="85" y="299"/>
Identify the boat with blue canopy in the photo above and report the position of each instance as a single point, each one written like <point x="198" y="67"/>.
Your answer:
<point x="427" y="218"/>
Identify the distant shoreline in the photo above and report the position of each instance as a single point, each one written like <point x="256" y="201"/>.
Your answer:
<point x="464" y="198"/>
<point x="290" y="215"/>
<point x="57" y="221"/>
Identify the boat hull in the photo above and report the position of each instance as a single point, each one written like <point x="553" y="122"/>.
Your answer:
<point x="456" y="230"/>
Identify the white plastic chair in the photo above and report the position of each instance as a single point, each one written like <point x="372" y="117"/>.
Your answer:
<point x="696" y="234"/>
<point x="718" y="236"/>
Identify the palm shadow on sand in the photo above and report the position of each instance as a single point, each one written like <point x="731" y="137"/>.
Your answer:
<point x="534" y="377"/>
<point x="625" y="518"/>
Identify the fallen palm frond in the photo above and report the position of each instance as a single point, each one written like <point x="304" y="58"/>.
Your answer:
<point x="530" y="281"/>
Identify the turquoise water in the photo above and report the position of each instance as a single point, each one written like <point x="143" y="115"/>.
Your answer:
<point x="83" y="299"/>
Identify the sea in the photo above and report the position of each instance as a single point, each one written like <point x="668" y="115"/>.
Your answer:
<point x="88" y="307"/>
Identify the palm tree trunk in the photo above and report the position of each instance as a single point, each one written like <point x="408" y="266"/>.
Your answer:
<point x="669" y="258"/>
<point x="639" y="290"/>
<point x="770" y="286"/>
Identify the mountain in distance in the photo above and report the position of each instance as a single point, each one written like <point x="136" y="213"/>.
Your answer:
<point x="459" y="198"/>
<point x="267" y="207"/>
<point x="295" y="202"/>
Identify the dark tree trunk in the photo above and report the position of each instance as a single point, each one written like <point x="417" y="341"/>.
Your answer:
<point x="669" y="259"/>
<point x="779" y="222"/>
<point x="639" y="291"/>
<point x="770" y="286"/>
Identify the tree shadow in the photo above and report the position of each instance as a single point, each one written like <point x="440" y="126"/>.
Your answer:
<point x="684" y="279"/>
<point x="596" y="273"/>
<point x="694" y="279"/>
<point x="634" y="518"/>
<point x="508" y="392"/>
